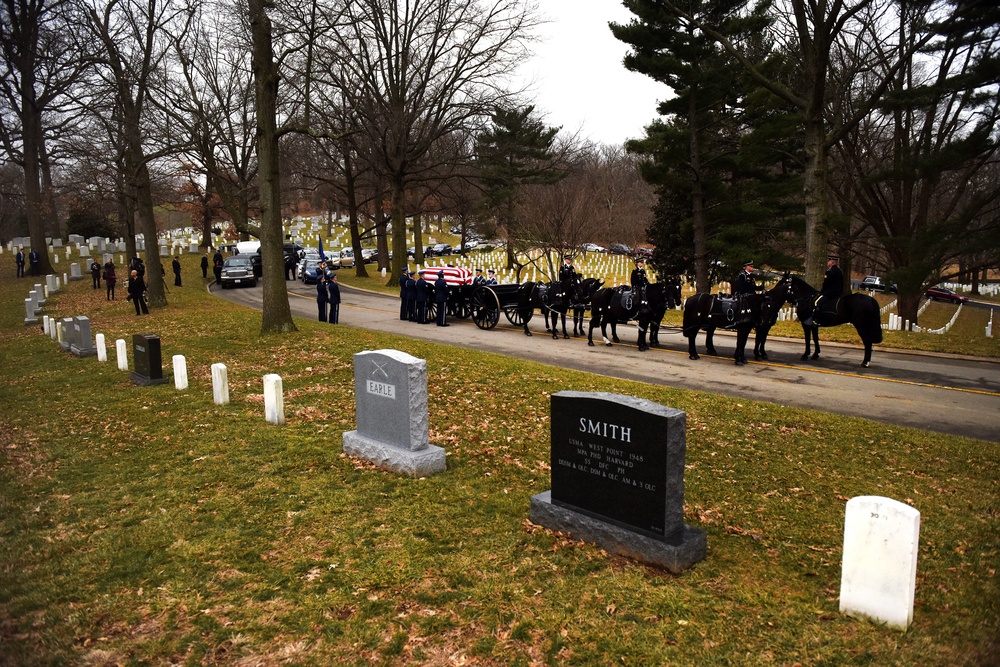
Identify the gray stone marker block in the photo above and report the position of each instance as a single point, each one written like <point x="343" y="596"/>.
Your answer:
<point x="29" y="312"/>
<point x="390" y="393"/>
<point x="74" y="268"/>
<point x="618" y="478"/>
<point x="82" y="344"/>
<point x="879" y="574"/>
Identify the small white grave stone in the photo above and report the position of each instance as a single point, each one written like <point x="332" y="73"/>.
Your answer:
<point x="274" y="400"/>
<point x="45" y="324"/>
<point x="180" y="372"/>
<point x="220" y="384"/>
<point x="879" y="573"/>
<point x="122" y="349"/>
<point x="102" y="348"/>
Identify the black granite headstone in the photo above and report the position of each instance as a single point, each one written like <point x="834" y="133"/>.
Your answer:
<point x="618" y="478"/>
<point x="147" y="359"/>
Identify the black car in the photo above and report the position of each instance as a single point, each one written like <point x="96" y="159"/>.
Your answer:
<point x="441" y="249"/>
<point x="877" y="284"/>
<point x="238" y="270"/>
<point x="619" y="249"/>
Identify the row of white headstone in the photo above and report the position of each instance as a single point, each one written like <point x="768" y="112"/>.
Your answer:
<point x="274" y="404"/>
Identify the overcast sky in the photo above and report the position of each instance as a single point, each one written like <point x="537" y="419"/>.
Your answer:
<point x="580" y="82"/>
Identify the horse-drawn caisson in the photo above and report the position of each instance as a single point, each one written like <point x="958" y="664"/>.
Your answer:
<point x="517" y="301"/>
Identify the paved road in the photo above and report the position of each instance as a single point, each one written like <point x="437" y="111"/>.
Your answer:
<point x="947" y="394"/>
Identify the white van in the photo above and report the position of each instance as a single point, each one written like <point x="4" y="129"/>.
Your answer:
<point x="248" y="248"/>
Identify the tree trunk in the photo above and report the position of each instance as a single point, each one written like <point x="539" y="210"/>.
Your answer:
<point x="815" y="193"/>
<point x="701" y="280"/>
<point x="397" y="195"/>
<point x="908" y="305"/>
<point x="277" y="314"/>
<point x="156" y="294"/>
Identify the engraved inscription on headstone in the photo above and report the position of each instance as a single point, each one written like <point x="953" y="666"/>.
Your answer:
<point x="147" y="360"/>
<point x="390" y="393"/>
<point x="618" y="478"/>
<point x="82" y="344"/>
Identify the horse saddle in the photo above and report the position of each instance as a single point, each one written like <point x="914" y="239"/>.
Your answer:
<point x="826" y="312"/>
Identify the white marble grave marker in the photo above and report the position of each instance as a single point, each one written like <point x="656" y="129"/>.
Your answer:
<point x="880" y="560"/>
<point x="29" y="311"/>
<point x="220" y="384"/>
<point x="122" y="349"/>
<point x="45" y="324"/>
<point x="180" y="372"/>
<point x="102" y="348"/>
<point x="274" y="400"/>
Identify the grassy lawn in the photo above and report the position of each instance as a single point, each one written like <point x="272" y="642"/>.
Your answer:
<point x="142" y="525"/>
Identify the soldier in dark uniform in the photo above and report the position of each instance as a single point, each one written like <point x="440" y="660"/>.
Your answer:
<point x="441" y="299"/>
<point x="567" y="271"/>
<point x="322" y="295"/>
<point x="492" y="279"/>
<point x="403" y="278"/>
<point x="420" y="298"/>
<point x="638" y="278"/>
<point x="411" y="296"/>
<point x="479" y="279"/>
<point x="334" y="288"/>
<point x="833" y="287"/>
<point x="745" y="283"/>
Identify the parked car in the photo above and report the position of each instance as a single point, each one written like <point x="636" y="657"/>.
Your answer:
<point x="311" y="271"/>
<point x="620" y="249"/>
<point x="877" y="284"/>
<point x="467" y="246"/>
<point x="944" y="294"/>
<point x="593" y="247"/>
<point x="345" y="259"/>
<point x="442" y="249"/>
<point x="237" y="270"/>
<point x="370" y="255"/>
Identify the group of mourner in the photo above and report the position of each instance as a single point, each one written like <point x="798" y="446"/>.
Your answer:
<point x="418" y="288"/>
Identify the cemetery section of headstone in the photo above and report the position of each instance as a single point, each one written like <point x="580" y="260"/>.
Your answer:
<point x="618" y="478"/>
<point x="879" y="574"/>
<point x="390" y="394"/>
<point x="147" y="360"/>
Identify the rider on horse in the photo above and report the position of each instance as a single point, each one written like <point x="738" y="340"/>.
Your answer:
<point x="832" y="289"/>
<point x="745" y="284"/>
<point x="639" y="280"/>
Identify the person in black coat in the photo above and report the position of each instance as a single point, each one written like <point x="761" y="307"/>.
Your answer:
<point x="176" y="265"/>
<point x="638" y="278"/>
<point x="567" y="271"/>
<point x="420" y="298"/>
<point x="403" y="278"/>
<point x="441" y="299"/>
<point x="34" y="259"/>
<point x="745" y="283"/>
<point x="19" y="260"/>
<point x="137" y="292"/>
<point x="833" y="287"/>
<point x="204" y="266"/>
<point x="411" y="297"/>
<point x="333" y="287"/>
<point x="95" y="273"/>
<point x="322" y="296"/>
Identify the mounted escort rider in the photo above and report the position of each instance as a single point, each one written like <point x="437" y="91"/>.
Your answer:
<point x="638" y="280"/>
<point x="743" y="285"/>
<point x="832" y="289"/>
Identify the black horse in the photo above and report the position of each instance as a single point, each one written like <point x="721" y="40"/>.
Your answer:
<point x="551" y="298"/>
<point x="614" y="305"/>
<point x="584" y="295"/>
<point x="860" y="310"/>
<point x="751" y="312"/>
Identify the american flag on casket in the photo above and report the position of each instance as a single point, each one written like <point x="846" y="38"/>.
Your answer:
<point x="453" y="275"/>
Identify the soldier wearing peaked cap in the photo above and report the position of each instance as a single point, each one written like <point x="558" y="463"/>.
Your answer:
<point x="832" y="289"/>
<point x="745" y="283"/>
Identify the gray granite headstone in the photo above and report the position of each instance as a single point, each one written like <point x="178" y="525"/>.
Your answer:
<point x="29" y="311"/>
<point x="390" y="393"/>
<point x="65" y="336"/>
<point x="618" y="478"/>
<point x="82" y="343"/>
<point x="75" y="239"/>
<point x="74" y="268"/>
